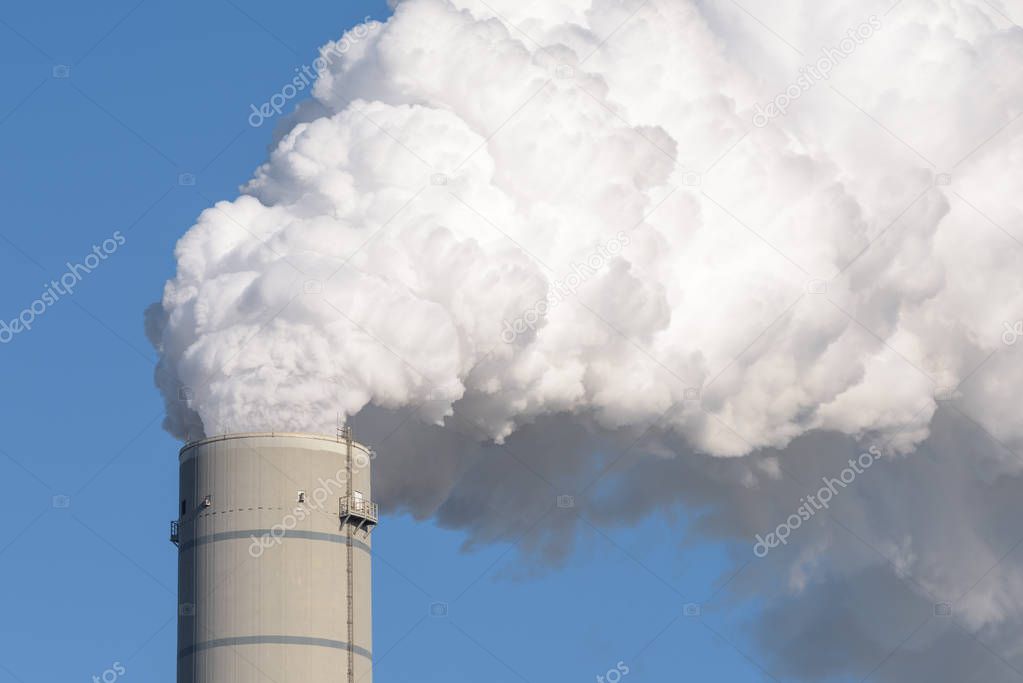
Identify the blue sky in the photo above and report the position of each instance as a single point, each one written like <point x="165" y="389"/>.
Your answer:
<point x="155" y="94"/>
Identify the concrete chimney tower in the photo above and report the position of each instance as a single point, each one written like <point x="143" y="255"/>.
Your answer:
<point x="274" y="559"/>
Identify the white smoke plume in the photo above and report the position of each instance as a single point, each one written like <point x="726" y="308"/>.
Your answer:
<point x="507" y="219"/>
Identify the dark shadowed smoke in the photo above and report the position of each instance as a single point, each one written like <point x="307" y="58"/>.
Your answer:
<point x="860" y="589"/>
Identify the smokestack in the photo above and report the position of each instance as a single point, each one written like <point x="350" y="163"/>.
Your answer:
<point x="274" y="559"/>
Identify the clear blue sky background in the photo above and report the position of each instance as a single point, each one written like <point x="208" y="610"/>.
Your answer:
<point x="161" y="89"/>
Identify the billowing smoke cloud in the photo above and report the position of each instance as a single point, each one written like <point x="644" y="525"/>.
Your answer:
<point x="674" y="230"/>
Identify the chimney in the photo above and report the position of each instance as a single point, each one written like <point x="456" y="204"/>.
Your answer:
<point x="274" y="559"/>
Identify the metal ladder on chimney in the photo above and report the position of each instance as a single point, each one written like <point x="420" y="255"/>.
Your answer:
<point x="349" y="533"/>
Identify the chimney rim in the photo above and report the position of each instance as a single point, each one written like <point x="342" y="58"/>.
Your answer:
<point x="248" y="435"/>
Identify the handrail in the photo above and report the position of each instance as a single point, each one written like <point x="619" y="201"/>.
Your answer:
<point x="361" y="508"/>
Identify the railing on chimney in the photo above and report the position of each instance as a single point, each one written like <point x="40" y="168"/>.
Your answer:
<point x="364" y="512"/>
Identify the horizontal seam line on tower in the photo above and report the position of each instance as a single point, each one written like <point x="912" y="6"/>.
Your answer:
<point x="271" y="640"/>
<point x="259" y="533"/>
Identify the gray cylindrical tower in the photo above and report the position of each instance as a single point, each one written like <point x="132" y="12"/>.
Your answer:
<point x="274" y="559"/>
